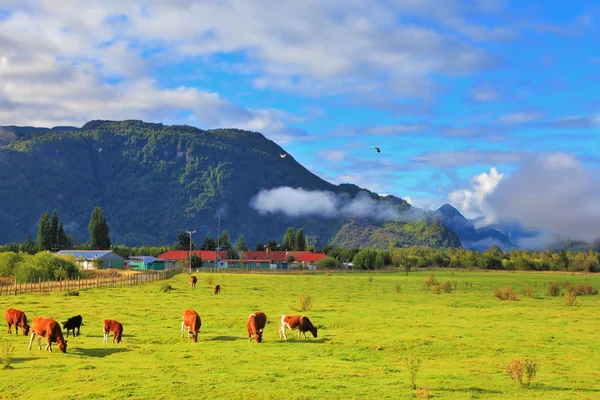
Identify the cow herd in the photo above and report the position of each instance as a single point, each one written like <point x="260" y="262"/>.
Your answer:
<point x="190" y="320"/>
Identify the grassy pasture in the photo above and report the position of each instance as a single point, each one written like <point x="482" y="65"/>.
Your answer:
<point x="464" y="339"/>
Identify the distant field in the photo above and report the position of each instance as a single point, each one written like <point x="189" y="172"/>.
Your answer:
<point x="463" y="338"/>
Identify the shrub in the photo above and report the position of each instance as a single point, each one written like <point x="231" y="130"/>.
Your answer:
<point x="422" y="393"/>
<point x="528" y="291"/>
<point x="516" y="368"/>
<point x="72" y="293"/>
<point x="209" y="280"/>
<point x="412" y="364"/>
<point x="447" y="286"/>
<point x="166" y="287"/>
<point x="571" y="298"/>
<point x="398" y="288"/>
<point x="305" y="302"/>
<point x="507" y="293"/>
<point x="585" y="289"/>
<point x="7" y="352"/>
<point x="553" y="288"/>
<point x="328" y="263"/>
<point x="430" y="282"/>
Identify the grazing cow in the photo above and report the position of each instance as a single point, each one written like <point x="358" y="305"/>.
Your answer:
<point x="50" y="329"/>
<point x="217" y="289"/>
<point x="256" y="325"/>
<point x="18" y="319"/>
<point x="191" y="321"/>
<point x="299" y="322"/>
<point x="193" y="281"/>
<point x="115" y="327"/>
<point x="72" y="323"/>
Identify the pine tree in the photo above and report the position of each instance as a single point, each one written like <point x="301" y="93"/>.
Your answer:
<point x="44" y="238"/>
<point x="241" y="244"/>
<point x="54" y="231"/>
<point x="224" y="241"/>
<point x="299" y="242"/>
<point x="209" y="244"/>
<point x="28" y="246"/>
<point x="288" y="239"/>
<point x="99" y="238"/>
<point x="64" y="241"/>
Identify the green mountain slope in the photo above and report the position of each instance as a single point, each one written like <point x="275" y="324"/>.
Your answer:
<point x="153" y="181"/>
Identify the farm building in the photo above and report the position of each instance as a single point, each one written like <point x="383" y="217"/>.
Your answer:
<point x="143" y="263"/>
<point x="249" y="259"/>
<point x="96" y="259"/>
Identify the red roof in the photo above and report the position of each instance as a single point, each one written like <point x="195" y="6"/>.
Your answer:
<point x="256" y="256"/>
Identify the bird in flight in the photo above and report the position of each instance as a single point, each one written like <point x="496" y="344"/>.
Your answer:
<point x="282" y="155"/>
<point x="376" y="149"/>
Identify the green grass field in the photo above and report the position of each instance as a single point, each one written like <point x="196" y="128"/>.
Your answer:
<point x="464" y="339"/>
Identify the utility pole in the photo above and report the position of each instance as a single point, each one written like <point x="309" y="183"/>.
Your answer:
<point x="190" y="232"/>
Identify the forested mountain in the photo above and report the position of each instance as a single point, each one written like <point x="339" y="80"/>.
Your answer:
<point x="153" y="181"/>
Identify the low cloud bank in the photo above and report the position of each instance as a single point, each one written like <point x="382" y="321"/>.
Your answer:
<point x="296" y="202"/>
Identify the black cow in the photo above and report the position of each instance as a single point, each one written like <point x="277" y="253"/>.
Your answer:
<point x="72" y="323"/>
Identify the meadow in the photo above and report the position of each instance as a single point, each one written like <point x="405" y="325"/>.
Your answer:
<point x="368" y="323"/>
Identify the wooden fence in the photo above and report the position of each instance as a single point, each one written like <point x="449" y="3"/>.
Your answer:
<point x="80" y="282"/>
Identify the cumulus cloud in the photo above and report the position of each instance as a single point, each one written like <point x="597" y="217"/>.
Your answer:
<point x="296" y="202"/>
<point x="472" y="202"/>
<point x="554" y="193"/>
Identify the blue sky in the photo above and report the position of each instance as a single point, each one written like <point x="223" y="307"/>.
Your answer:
<point x="459" y="95"/>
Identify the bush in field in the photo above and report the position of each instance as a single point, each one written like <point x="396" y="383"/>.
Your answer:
<point x="422" y="393"/>
<point x="447" y="286"/>
<point x="304" y="302"/>
<point x="507" y="293"/>
<point x="553" y="288"/>
<point x="166" y="287"/>
<point x="7" y="352"/>
<point x="528" y="291"/>
<point x="430" y="282"/>
<point x="586" y="288"/>
<point x="571" y="298"/>
<point x="72" y="293"/>
<point x="412" y="364"/>
<point x="517" y="367"/>
<point x="398" y="288"/>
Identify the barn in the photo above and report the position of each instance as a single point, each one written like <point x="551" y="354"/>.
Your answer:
<point x="95" y="259"/>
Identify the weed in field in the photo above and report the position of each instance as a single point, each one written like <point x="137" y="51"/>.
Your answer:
<point x="166" y="287"/>
<point x="528" y="291"/>
<point x="72" y="293"/>
<point x="571" y="298"/>
<point x="370" y="279"/>
<point x="452" y="273"/>
<point x="430" y="282"/>
<point x="7" y="352"/>
<point x="398" y="288"/>
<point x="412" y="364"/>
<point x="422" y="393"/>
<point x="507" y="293"/>
<point x="517" y="367"/>
<point x="437" y="289"/>
<point x="553" y="288"/>
<point x="582" y="289"/>
<point x="455" y="284"/>
<point x="305" y="303"/>
<point x="447" y="287"/>
<point x="209" y="280"/>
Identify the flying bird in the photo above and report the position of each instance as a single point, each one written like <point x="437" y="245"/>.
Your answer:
<point x="376" y="149"/>
<point x="282" y="155"/>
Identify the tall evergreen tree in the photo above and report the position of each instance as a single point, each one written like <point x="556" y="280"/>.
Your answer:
<point x="99" y="238"/>
<point x="299" y="242"/>
<point x="241" y="244"/>
<point x="28" y="246"/>
<point x="288" y="239"/>
<point x="209" y="244"/>
<point x="224" y="241"/>
<point x="44" y="238"/>
<point x="259" y="247"/>
<point x="183" y="242"/>
<point x="54" y="231"/>
<point x="64" y="240"/>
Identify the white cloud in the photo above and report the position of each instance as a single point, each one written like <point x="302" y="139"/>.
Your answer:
<point x="473" y="202"/>
<point x="521" y="117"/>
<point x="484" y="93"/>
<point x="397" y="129"/>
<point x="297" y="202"/>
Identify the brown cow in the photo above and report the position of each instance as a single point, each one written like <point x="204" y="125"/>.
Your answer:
<point x="193" y="281"/>
<point x="191" y="321"/>
<point x="115" y="327"/>
<point x="299" y="322"/>
<point x="256" y="325"/>
<point x="18" y="319"/>
<point x="217" y="289"/>
<point x="50" y="329"/>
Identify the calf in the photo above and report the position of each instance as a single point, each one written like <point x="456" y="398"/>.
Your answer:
<point x="50" y="329"/>
<point x="18" y="319"/>
<point x="299" y="322"/>
<point x="217" y="289"/>
<point x="115" y="327"/>
<point x="256" y="325"/>
<point x="72" y="323"/>
<point x="191" y="321"/>
<point x="193" y="281"/>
